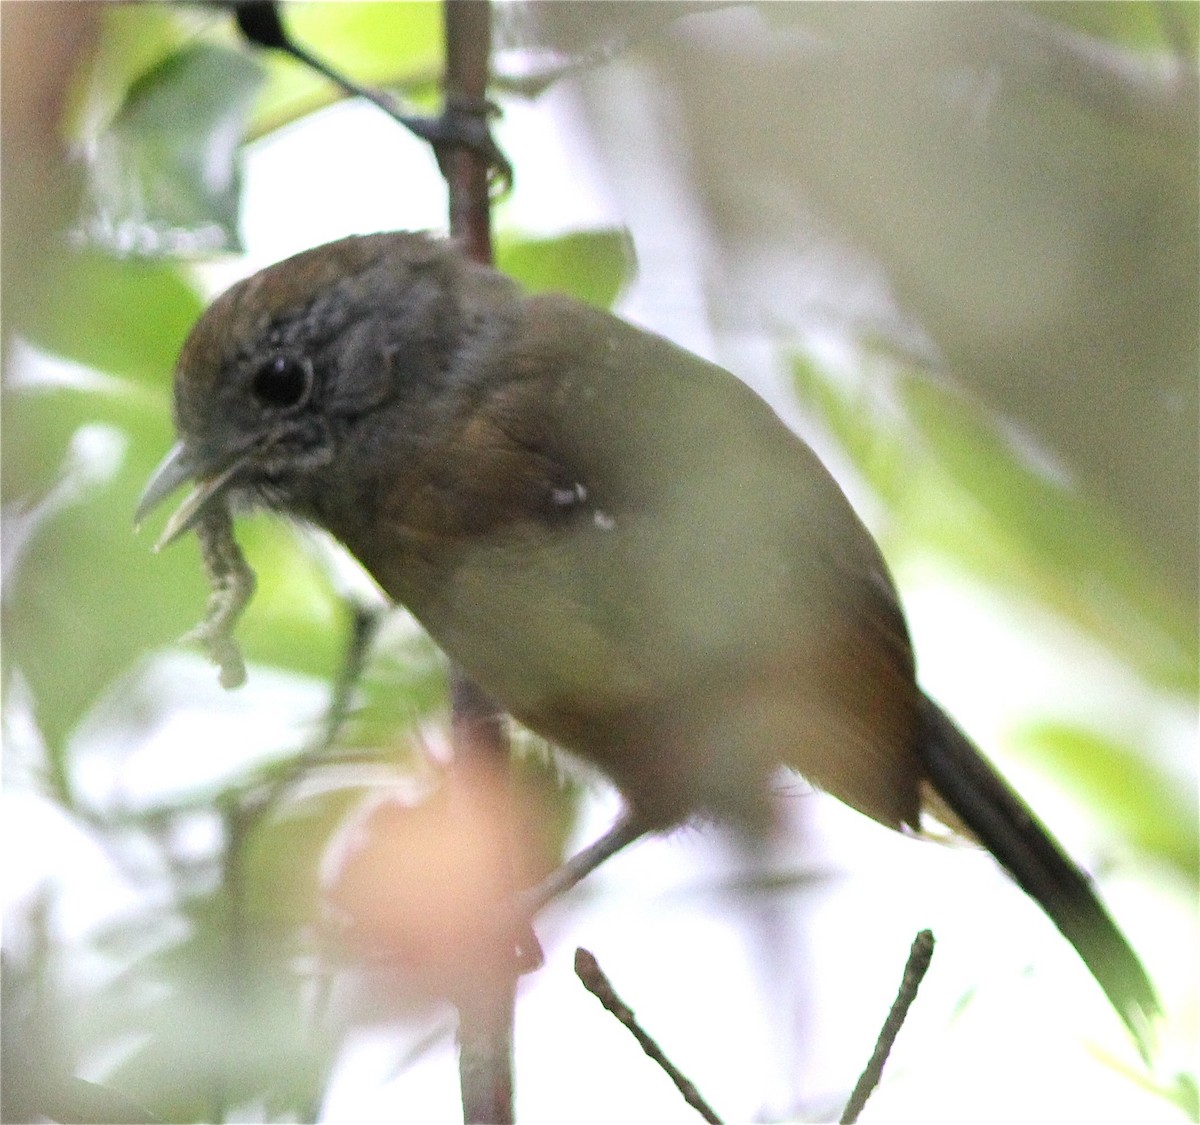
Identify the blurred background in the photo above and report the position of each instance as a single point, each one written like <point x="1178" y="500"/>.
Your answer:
<point x="955" y="246"/>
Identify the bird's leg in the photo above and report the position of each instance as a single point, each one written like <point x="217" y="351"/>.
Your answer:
<point x="528" y="903"/>
<point x="627" y="828"/>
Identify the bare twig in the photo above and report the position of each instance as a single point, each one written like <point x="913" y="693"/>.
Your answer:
<point x="588" y="970"/>
<point x="364" y="624"/>
<point x="485" y="1015"/>
<point x="914" y="972"/>
<point x="468" y="44"/>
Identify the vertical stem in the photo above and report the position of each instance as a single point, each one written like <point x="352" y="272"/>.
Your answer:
<point x="468" y="27"/>
<point x="485" y="1019"/>
<point x="485" y="1016"/>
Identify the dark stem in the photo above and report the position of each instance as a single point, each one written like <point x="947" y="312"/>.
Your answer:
<point x="485" y="1023"/>
<point x="588" y="970"/>
<point x="914" y="972"/>
<point x="468" y="26"/>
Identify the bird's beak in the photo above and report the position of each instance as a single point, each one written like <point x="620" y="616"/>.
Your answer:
<point x="177" y="468"/>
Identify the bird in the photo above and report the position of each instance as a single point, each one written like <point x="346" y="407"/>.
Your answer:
<point x="620" y="542"/>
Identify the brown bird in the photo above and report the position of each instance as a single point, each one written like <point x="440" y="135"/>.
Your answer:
<point x="617" y="540"/>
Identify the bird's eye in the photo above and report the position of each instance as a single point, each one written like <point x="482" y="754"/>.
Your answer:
<point x="283" y="381"/>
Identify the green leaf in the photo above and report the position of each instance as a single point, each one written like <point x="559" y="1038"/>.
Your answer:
<point x="86" y="598"/>
<point x="133" y="39"/>
<point x="128" y="318"/>
<point x="82" y="601"/>
<point x="217" y="1018"/>
<point x="375" y="44"/>
<point x="1138" y="26"/>
<point x="163" y="176"/>
<point x="281" y="863"/>
<point x="593" y="266"/>
<point x="404" y="682"/>
<point x="1150" y="809"/>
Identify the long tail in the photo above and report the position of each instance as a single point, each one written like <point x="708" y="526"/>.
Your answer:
<point x="1006" y="827"/>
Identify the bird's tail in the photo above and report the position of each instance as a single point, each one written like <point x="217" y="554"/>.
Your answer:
<point x="1001" y="822"/>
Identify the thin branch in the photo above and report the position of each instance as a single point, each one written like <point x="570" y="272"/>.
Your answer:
<point x="485" y="1016"/>
<point x="468" y="45"/>
<point x="261" y="23"/>
<point x="485" y="1019"/>
<point x="914" y="972"/>
<point x="588" y="970"/>
<point x="364" y="625"/>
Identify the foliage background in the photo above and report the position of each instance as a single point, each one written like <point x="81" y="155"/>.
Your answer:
<point x="955" y="245"/>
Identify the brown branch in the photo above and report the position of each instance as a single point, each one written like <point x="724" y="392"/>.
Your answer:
<point x="485" y="1014"/>
<point x="588" y="970"/>
<point x="486" y="1017"/>
<point x="468" y="25"/>
<point x="914" y="972"/>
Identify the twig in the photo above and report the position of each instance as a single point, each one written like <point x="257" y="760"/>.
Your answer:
<point x="364" y="624"/>
<point x="468" y="45"/>
<point x="485" y="1015"/>
<point x="588" y="970"/>
<point x="261" y="23"/>
<point x="485" y="1018"/>
<point x="914" y="972"/>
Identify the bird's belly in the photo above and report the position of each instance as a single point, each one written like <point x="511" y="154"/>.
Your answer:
<point x="686" y="682"/>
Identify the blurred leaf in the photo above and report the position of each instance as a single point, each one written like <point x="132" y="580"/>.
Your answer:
<point x="1088" y="567"/>
<point x="538" y="772"/>
<point x="133" y="39"/>
<point x="376" y="44"/>
<point x="1186" y="1096"/>
<point x="80" y="602"/>
<point x="86" y="597"/>
<point x="1148" y="808"/>
<point x="217" y="1022"/>
<point x="1136" y="25"/>
<point x="404" y="681"/>
<point x="593" y="266"/>
<point x="869" y="429"/>
<point x="163" y="176"/>
<point x="124" y="317"/>
<point x="283" y="856"/>
<point x="978" y="498"/>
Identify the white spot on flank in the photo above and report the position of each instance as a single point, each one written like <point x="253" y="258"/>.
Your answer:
<point x="569" y="497"/>
<point x="603" y="520"/>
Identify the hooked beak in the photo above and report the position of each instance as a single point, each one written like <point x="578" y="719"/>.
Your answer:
<point x="177" y="468"/>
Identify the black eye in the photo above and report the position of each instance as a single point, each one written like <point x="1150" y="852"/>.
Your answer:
<point x="283" y="381"/>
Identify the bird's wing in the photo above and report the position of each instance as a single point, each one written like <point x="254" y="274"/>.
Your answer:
<point x="671" y="549"/>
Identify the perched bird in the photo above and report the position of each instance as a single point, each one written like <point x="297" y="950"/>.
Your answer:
<point x="617" y="540"/>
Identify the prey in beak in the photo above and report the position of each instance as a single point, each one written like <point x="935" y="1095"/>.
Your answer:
<point x="204" y="510"/>
<point x="176" y="469"/>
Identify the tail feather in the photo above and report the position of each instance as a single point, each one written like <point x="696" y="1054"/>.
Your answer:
<point x="1001" y="821"/>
